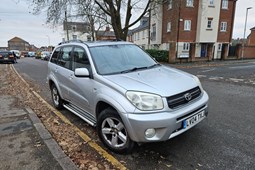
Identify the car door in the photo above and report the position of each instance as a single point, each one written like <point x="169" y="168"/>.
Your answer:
<point x="82" y="87"/>
<point x="63" y="71"/>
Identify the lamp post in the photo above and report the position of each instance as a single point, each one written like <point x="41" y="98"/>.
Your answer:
<point x="48" y="41"/>
<point x="245" y="30"/>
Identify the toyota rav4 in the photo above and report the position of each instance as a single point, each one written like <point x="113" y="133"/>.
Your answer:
<point x="128" y="96"/>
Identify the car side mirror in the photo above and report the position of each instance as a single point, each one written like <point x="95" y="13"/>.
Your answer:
<point x="81" y="72"/>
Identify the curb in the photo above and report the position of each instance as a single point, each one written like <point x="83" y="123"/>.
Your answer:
<point x="65" y="162"/>
<point x="84" y="136"/>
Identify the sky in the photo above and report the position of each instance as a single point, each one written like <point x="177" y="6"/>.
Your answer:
<point x="16" y="19"/>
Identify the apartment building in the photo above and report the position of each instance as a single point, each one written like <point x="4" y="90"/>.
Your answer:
<point x="194" y="30"/>
<point x="140" y="34"/>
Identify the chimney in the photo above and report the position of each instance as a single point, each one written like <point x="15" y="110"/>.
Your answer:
<point x="107" y="28"/>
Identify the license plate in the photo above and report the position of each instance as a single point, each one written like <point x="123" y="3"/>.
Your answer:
<point x="193" y="120"/>
<point x="5" y="58"/>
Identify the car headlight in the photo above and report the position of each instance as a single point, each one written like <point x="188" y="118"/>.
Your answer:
<point x="198" y="82"/>
<point x="145" y="101"/>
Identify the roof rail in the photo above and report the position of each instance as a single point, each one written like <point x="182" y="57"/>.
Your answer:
<point x="64" y="42"/>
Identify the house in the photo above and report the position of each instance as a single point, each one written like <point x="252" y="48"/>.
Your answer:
<point x="17" y="43"/>
<point x="194" y="30"/>
<point x="156" y="28"/>
<point x="76" y="31"/>
<point x="248" y="51"/>
<point x="251" y="37"/>
<point x="105" y="35"/>
<point x="140" y="34"/>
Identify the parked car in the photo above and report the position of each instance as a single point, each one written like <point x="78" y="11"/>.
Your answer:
<point x="38" y="55"/>
<point x="45" y="55"/>
<point x="17" y="53"/>
<point x="7" y="57"/>
<point x="24" y="54"/>
<point x="127" y="95"/>
<point x="31" y="54"/>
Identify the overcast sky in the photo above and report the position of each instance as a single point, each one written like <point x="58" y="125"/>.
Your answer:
<point x="16" y="20"/>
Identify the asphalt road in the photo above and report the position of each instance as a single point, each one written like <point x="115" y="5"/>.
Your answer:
<point x="225" y="140"/>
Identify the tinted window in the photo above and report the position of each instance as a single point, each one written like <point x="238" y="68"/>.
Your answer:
<point x="54" y="57"/>
<point x="80" y="58"/>
<point x="64" y="59"/>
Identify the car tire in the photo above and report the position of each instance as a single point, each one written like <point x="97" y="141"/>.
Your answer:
<point x="113" y="132"/>
<point x="56" y="98"/>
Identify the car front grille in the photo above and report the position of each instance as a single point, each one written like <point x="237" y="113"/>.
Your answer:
<point x="183" y="98"/>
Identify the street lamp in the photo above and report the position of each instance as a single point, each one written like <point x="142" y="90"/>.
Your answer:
<point x="245" y="29"/>
<point x="48" y="41"/>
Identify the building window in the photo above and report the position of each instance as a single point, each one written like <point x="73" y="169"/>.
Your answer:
<point x="153" y="33"/>
<point x="219" y="47"/>
<point x="170" y="4"/>
<point x="168" y="27"/>
<point x="211" y="2"/>
<point x="74" y="28"/>
<point x="74" y="37"/>
<point x="138" y="36"/>
<point x="187" y="25"/>
<point x="186" y="46"/>
<point x="223" y="26"/>
<point x="88" y="38"/>
<point x="143" y="34"/>
<point x="224" y="4"/>
<point x="189" y="3"/>
<point x="209" y="23"/>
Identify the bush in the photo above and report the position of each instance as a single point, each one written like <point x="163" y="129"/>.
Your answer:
<point x="159" y="55"/>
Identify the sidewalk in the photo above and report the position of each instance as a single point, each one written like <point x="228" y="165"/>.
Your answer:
<point x="211" y="63"/>
<point x="24" y="141"/>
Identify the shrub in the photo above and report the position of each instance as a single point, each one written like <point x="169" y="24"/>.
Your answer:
<point x="159" y="55"/>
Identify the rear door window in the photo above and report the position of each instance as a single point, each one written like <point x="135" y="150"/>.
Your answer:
<point x="54" y="58"/>
<point x="64" y="59"/>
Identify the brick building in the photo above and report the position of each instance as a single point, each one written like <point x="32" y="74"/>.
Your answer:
<point x="17" y="43"/>
<point x="105" y="35"/>
<point x="196" y="30"/>
<point x="251" y="37"/>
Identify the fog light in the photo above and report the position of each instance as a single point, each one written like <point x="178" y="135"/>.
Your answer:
<point x="149" y="133"/>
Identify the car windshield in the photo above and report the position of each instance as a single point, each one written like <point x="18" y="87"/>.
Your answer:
<point x="121" y="58"/>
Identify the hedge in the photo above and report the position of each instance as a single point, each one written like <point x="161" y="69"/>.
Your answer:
<point x="159" y="55"/>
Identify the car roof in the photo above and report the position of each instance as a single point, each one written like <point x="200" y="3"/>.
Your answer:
<point x="96" y="43"/>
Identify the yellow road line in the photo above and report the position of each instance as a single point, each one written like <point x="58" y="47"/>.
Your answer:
<point x="84" y="136"/>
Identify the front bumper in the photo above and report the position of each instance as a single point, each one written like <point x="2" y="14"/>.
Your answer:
<point x="167" y="124"/>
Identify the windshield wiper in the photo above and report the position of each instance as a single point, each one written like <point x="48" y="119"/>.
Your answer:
<point x="154" y="65"/>
<point x="133" y="69"/>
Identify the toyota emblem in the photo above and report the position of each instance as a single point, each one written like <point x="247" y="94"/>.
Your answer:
<point x="188" y="96"/>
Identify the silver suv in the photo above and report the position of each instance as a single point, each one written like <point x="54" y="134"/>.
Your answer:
<point x="126" y="94"/>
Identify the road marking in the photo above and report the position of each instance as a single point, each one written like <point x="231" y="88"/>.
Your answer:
<point x="216" y="78"/>
<point x="204" y="71"/>
<point x="201" y="76"/>
<point x="235" y="79"/>
<point x="241" y="67"/>
<point x="84" y="136"/>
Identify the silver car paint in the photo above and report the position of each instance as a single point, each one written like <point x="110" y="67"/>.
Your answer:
<point x="111" y="89"/>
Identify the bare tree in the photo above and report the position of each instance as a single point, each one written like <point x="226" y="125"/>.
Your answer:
<point x="114" y="9"/>
<point x="93" y="15"/>
<point x="119" y="12"/>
